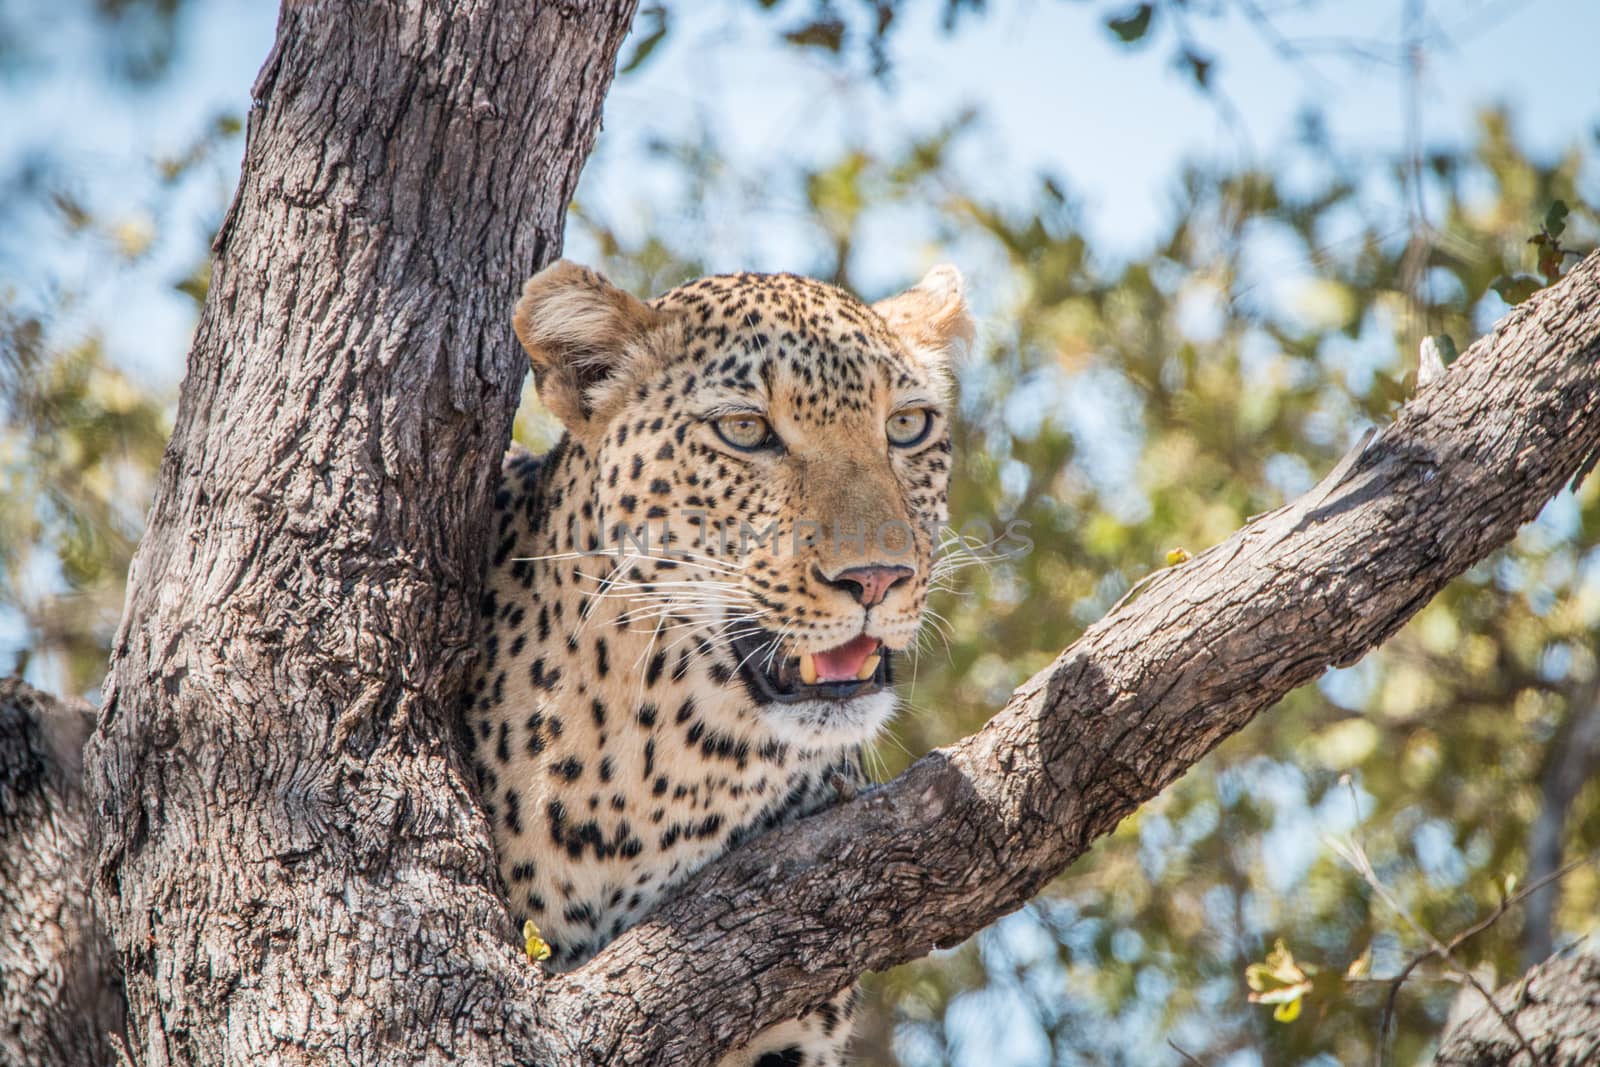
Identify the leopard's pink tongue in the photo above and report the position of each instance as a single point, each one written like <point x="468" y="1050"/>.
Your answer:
<point x="844" y="663"/>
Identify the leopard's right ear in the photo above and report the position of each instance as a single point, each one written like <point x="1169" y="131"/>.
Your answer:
<point x="583" y="334"/>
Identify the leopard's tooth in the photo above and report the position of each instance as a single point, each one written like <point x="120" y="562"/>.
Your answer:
<point x="808" y="669"/>
<point x="868" y="666"/>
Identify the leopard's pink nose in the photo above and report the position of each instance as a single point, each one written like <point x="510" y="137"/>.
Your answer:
<point x="868" y="585"/>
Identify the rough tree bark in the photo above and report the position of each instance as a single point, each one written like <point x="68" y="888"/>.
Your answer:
<point x="1555" y="1006"/>
<point x="60" y="986"/>
<point x="294" y="866"/>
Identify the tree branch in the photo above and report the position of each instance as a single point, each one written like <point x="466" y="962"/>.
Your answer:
<point x="1556" y="1005"/>
<point x="972" y="831"/>
<point x="60" y="986"/>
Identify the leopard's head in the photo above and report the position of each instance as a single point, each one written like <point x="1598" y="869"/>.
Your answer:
<point x="770" y="458"/>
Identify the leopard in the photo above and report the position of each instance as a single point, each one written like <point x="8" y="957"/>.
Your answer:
<point x="696" y="599"/>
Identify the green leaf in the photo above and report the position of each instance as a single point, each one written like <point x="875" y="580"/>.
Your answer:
<point x="656" y="15"/>
<point x="198" y="283"/>
<point x="1133" y="25"/>
<point x="1448" y="353"/>
<point x="823" y="33"/>
<point x="1515" y="288"/>
<point x="1555" y="220"/>
<point x="1395" y="390"/>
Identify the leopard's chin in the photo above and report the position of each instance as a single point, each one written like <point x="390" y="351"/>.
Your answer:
<point x="830" y="724"/>
<point x="834" y="698"/>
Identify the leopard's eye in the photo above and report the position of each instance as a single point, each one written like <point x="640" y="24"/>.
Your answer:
<point x="908" y="427"/>
<point x="744" y="431"/>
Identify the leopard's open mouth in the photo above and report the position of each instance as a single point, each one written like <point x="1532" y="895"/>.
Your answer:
<point x="856" y="668"/>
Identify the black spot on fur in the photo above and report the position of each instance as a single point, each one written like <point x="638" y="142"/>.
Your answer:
<point x="513" y="811"/>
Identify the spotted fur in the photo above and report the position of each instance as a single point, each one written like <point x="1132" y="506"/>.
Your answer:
<point x="620" y="742"/>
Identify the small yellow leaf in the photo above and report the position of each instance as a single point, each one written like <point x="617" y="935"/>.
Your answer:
<point x="536" y="947"/>
<point x="1282" y="994"/>
<point x="1360" y="965"/>
<point x="1178" y="555"/>
<point x="1280" y="980"/>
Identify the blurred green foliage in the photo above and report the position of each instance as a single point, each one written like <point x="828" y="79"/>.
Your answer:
<point x="82" y="436"/>
<point x="78" y="454"/>
<point x="1132" y="411"/>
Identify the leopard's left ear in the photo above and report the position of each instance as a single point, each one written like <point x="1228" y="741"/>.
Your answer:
<point x="932" y="316"/>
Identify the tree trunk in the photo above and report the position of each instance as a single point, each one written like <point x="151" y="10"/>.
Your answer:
<point x="294" y="866"/>
<point x="60" y="986"/>
<point x="1555" y="1008"/>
